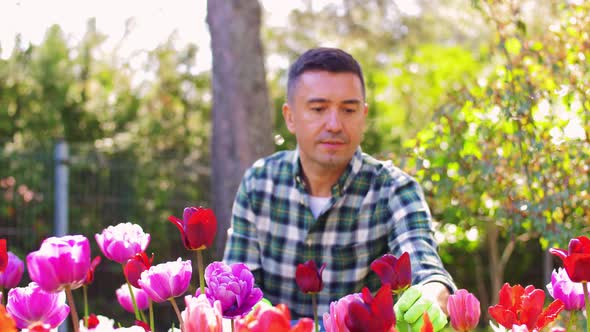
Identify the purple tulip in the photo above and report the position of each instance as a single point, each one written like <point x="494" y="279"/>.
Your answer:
<point x="60" y="262"/>
<point x="167" y="280"/>
<point x="13" y="273"/>
<point x="233" y="286"/>
<point x="563" y="288"/>
<point x="32" y="304"/>
<point x="121" y="242"/>
<point x="125" y="301"/>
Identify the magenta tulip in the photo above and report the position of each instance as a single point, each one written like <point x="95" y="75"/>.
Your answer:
<point x="13" y="272"/>
<point x="233" y="286"/>
<point x="30" y="305"/>
<point x="201" y="315"/>
<point x="167" y="280"/>
<point x="125" y="301"/>
<point x="335" y="320"/>
<point x="60" y="262"/>
<point x="569" y="292"/>
<point x="464" y="310"/>
<point x="121" y="242"/>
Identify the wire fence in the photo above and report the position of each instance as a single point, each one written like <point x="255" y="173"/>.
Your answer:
<point x="105" y="188"/>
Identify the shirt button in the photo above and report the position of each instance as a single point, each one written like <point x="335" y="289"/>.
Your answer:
<point x="308" y="242"/>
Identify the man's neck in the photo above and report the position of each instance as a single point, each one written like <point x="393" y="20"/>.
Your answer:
<point x="320" y="180"/>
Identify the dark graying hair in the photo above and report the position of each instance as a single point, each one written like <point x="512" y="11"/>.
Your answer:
<point x="323" y="59"/>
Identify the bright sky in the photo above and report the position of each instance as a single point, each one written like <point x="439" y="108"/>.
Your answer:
<point x="154" y="21"/>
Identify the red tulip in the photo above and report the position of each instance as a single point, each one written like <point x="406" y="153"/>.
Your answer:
<point x="309" y="278"/>
<point x="3" y="255"/>
<point x="427" y="327"/>
<point x="577" y="259"/>
<point x="92" y="321"/>
<point x="524" y="306"/>
<point x="90" y="274"/>
<point x="266" y="318"/>
<point x="144" y="325"/>
<point x="197" y="227"/>
<point x="135" y="265"/>
<point x="395" y="272"/>
<point x="372" y="314"/>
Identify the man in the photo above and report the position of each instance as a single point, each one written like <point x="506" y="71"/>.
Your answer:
<point x="327" y="201"/>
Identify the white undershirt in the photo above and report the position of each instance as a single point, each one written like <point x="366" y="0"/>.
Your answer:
<point x="317" y="204"/>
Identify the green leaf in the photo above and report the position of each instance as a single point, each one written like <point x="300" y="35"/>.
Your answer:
<point x="513" y="46"/>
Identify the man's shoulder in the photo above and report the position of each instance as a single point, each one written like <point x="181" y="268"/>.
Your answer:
<point x="385" y="172"/>
<point x="278" y="162"/>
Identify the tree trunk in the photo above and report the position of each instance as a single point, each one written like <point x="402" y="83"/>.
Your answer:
<point x="242" y="128"/>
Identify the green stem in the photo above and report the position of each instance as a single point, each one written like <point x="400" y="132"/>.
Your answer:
<point x="201" y="271"/>
<point x="177" y="313"/>
<point x="585" y="286"/>
<point x="1" y="295"/>
<point x="135" y="308"/>
<point x="73" y="312"/>
<point x="151" y="315"/>
<point x="85" y="292"/>
<point x="314" y="304"/>
<point x="571" y="320"/>
<point x="232" y="325"/>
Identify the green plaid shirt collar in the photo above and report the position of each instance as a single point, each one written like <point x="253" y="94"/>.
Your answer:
<point x="343" y="182"/>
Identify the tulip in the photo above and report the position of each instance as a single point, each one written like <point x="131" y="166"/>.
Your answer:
<point x="121" y="242"/>
<point x="427" y="326"/>
<point x="464" y="310"/>
<point x="524" y="306"/>
<point x="201" y="315"/>
<point x="266" y="318"/>
<point x="60" y="262"/>
<point x="395" y="272"/>
<point x="3" y="255"/>
<point x="197" y="230"/>
<point x="570" y="293"/>
<point x="98" y="323"/>
<point x="577" y="259"/>
<point x="30" y="305"/>
<point x="90" y="273"/>
<point x="13" y="272"/>
<point x="309" y="278"/>
<point x="335" y="320"/>
<point x="197" y="227"/>
<point x="233" y="286"/>
<point x="38" y="327"/>
<point x="125" y="301"/>
<point x="372" y="314"/>
<point x="7" y="324"/>
<point x="135" y="266"/>
<point x="166" y="281"/>
<point x="134" y="328"/>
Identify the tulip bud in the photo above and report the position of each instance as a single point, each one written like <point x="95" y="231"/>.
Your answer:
<point x="309" y="278"/>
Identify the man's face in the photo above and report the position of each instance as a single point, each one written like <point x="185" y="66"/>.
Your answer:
<point x="327" y="114"/>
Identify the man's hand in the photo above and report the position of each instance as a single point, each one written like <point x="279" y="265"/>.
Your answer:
<point x="410" y="308"/>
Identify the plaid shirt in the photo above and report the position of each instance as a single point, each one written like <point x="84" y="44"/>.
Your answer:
<point x="375" y="209"/>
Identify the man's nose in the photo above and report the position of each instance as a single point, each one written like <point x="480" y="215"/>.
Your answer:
<point x="333" y="121"/>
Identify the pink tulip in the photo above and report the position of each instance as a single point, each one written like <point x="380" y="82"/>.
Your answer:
<point x="464" y="310"/>
<point x="125" y="301"/>
<point x="200" y="315"/>
<point x="60" y="262"/>
<point x="167" y="280"/>
<point x="30" y="305"/>
<point x="13" y="273"/>
<point x="123" y="241"/>
<point x="335" y="321"/>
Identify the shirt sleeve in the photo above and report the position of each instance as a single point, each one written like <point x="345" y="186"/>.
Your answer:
<point x="242" y="244"/>
<point x="413" y="233"/>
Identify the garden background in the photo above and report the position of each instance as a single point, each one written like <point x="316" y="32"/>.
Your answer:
<point x="486" y="103"/>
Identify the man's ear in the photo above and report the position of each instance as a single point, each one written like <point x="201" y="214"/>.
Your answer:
<point x="288" y="116"/>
